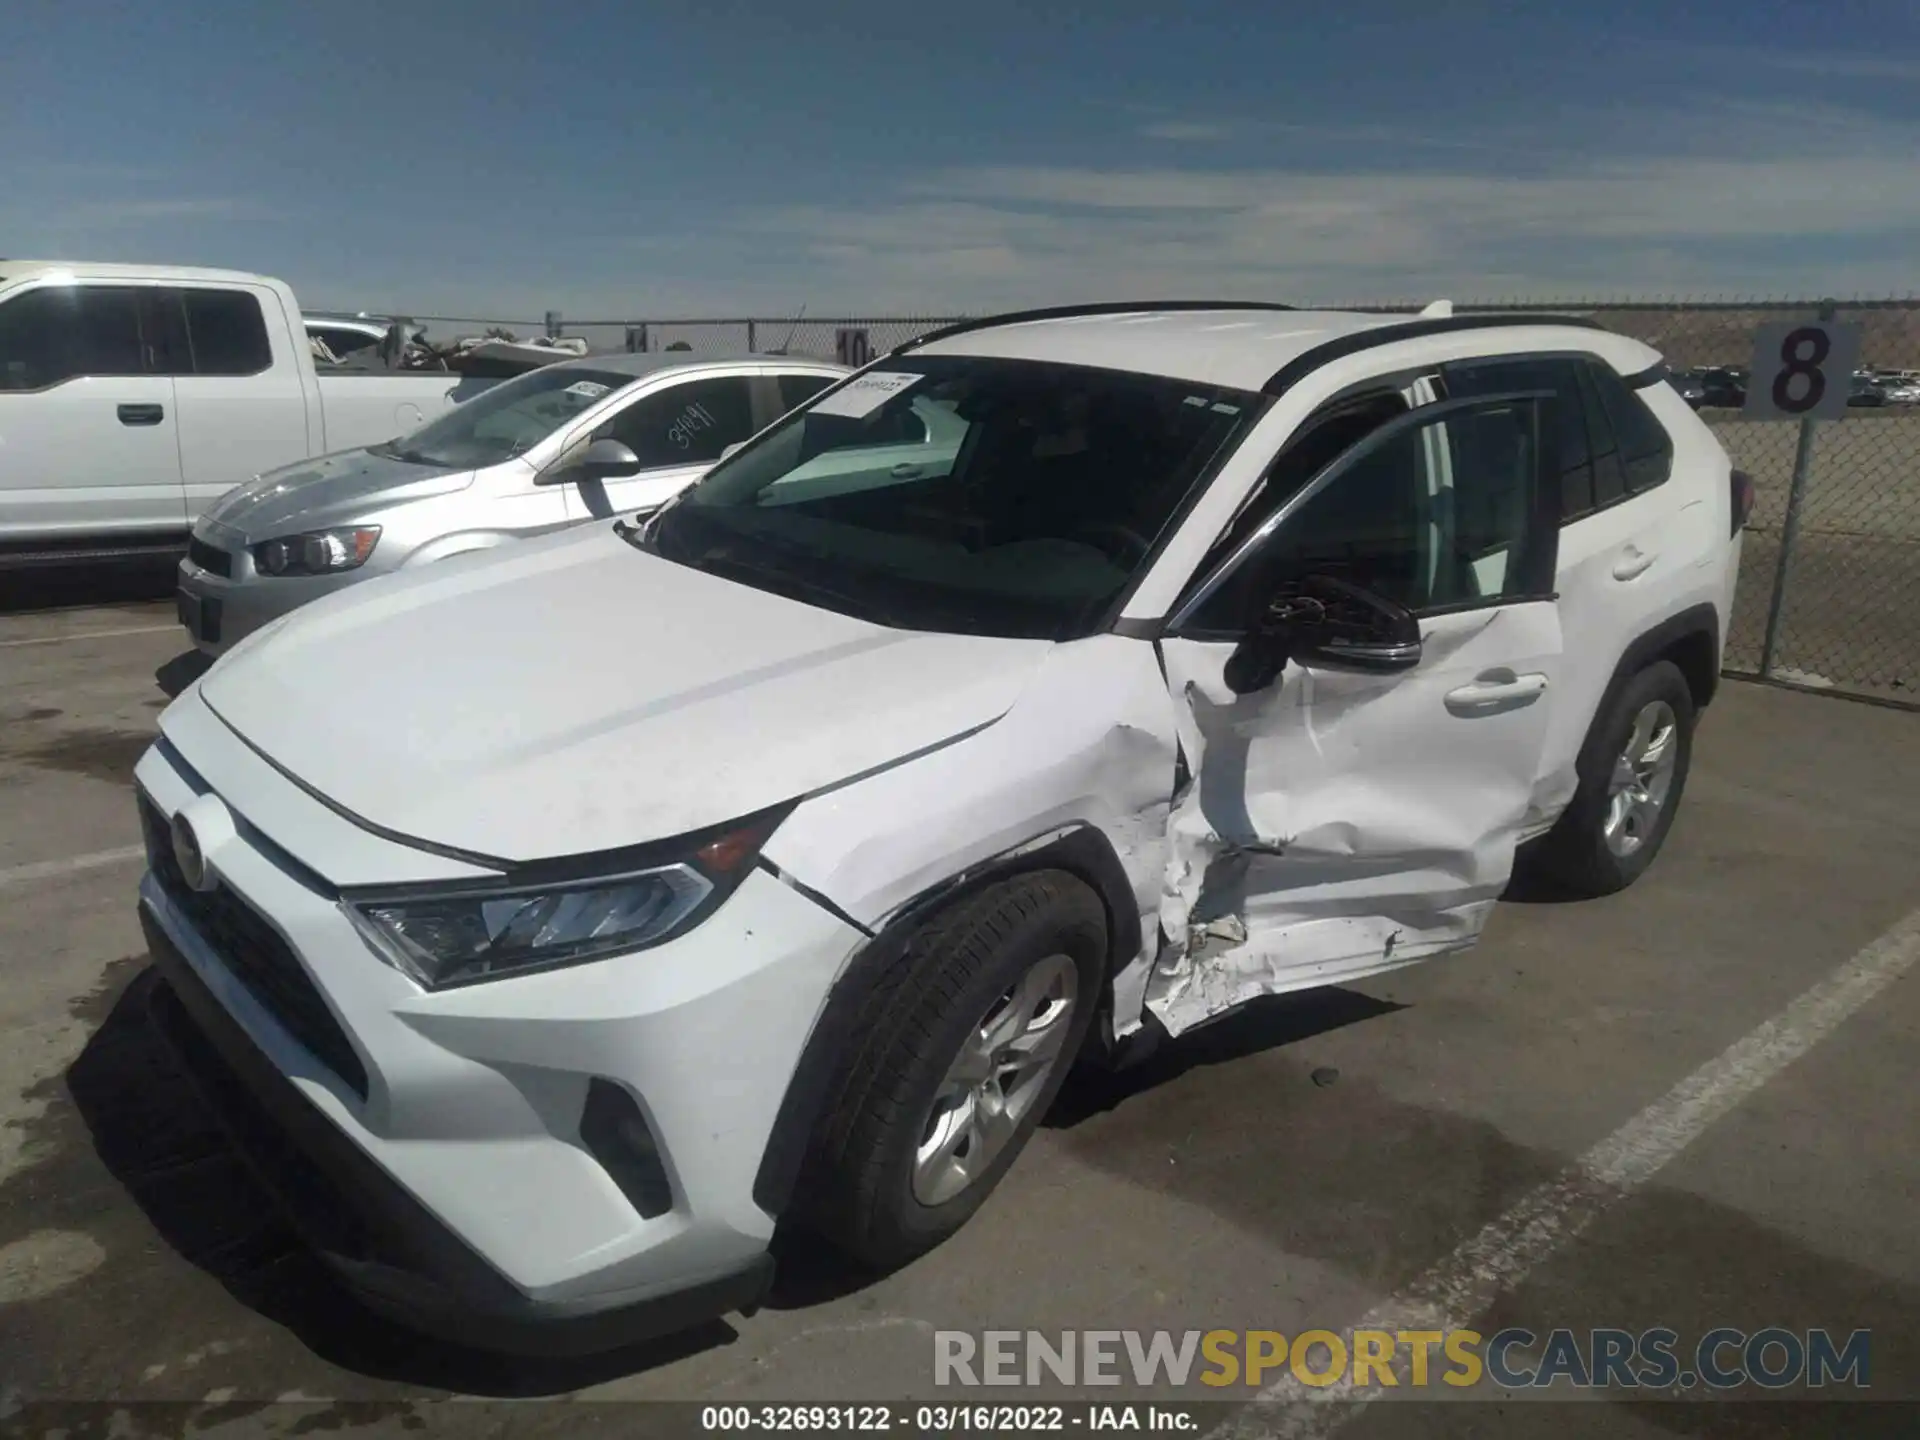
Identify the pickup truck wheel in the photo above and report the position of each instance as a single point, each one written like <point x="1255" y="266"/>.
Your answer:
<point x="1632" y="773"/>
<point x="961" y="1049"/>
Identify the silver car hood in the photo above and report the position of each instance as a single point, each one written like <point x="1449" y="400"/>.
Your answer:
<point x="332" y="490"/>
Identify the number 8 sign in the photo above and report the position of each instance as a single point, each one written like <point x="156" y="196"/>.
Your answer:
<point x="1802" y="370"/>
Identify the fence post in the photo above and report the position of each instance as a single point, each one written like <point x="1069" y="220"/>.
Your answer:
<point x="753" y="347"/>
<point x="1790" y="527"/>
<point x="553" y="324"/>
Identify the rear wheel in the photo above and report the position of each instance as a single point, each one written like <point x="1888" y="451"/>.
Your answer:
<point x="1632" y="774"/>
<point x="962" y="1048"/>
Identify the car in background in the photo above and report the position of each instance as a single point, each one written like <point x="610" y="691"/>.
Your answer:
<point x="553" y="447"/>
<point x="133" y="396"/>
<point x="1687" y="382"/>
<point x="1868" y="391"/>
<point x="1723" y="387"/>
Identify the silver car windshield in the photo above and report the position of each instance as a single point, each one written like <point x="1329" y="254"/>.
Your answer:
<point x="507" y="420"/>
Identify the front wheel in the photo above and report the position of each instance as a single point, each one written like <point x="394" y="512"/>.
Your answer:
<point x="1631" y="776"/>
<point x="963" y="1047"/>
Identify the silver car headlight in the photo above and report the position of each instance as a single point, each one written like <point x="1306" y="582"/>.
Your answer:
<point x="460" y="935"/>
<point x="317" y="552"/>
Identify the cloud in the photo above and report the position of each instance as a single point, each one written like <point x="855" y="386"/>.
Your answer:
<point x="1837" y="66"/>
<point x="1754" y="196"/>
<point x="1185" y="130"/>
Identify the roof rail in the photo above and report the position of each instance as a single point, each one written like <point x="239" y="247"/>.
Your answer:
<point x="1071" y="312"/>
<point x="1341" y="346"/>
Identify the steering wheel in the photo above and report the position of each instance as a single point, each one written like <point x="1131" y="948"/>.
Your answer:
<point x="1125" y="547"/>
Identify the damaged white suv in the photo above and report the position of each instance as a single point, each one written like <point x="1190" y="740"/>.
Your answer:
<point x="551" y="925"/>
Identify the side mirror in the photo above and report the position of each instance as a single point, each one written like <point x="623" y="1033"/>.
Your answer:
<point x="604" y="459"/>
<point x="1324" y="620"/>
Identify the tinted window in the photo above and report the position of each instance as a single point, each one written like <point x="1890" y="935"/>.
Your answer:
<point x="1609" y="478"/>
<point x="688" y="424"/>
<point x="796" y="390"/>
<point x="1565" y="415"/>
<point x="227" y="332"/>
<point x="63" y="331"/>
<point x="1646" y="450"/>
<point x="1439" y="515"/>
<point x="1041" y="491"/>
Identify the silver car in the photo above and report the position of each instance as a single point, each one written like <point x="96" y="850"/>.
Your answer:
<point x="604" y="436"/>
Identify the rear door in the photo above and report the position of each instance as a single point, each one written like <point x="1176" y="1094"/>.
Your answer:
<point x="678" y="430"/>
<point x="1627" y="538"/>
<point x="237" y="383"/>
<point x="88" y="433"/>
<point x="1344" y="819"/>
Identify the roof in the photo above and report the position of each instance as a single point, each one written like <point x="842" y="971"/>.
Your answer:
<point x="1242" y="349"/>
<point x="18" y="270"/>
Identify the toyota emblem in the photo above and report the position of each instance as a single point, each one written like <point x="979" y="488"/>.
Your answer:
<point x="186" y="854"/>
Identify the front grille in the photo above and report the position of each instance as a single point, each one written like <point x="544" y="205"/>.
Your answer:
<point x="257" y="955"/>
<point x="220" y="562"/>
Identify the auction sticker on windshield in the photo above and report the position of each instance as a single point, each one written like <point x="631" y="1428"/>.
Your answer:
<point x="867" y="394"/>
<point x="587" y="389"/>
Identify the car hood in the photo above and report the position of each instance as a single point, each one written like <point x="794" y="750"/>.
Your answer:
<point x="574" y="694"/>
<point x="332" y="490"/>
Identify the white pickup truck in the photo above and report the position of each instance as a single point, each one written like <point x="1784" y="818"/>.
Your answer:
<point x="133" y="396"/>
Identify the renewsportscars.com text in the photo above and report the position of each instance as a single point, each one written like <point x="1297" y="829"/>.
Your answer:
<point x="1725" y="1358"/>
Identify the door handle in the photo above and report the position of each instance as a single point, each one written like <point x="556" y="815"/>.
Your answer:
<point x="905" y="470"/>
<point x="1502" y="688"/>
<point x="140" y="414"/>
<point x="1633" y="562"/>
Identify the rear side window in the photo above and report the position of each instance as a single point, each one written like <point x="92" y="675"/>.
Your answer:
<point x="1566" y="415"/>
<point x="1646" y="450"/>
<point x="227" y="332"/>
<point x="796" y="390"/>
<point x="63" y="332"/>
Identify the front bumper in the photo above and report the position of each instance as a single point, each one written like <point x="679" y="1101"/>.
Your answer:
<point x="453" y="1121"/>
<point x="384" y="1244"/>
<point x="218" y="611"/>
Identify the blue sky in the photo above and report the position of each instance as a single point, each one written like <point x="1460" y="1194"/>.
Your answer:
<point x="500" y="157"/>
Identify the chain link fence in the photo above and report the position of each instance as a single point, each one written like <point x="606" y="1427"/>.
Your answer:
<point x="1842" y="614"/>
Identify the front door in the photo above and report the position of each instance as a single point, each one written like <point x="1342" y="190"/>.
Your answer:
<point x="1345" y="820"/>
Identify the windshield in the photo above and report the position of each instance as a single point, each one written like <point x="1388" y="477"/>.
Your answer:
<point x="968" y="495"/>
<point x="507" y="419"/>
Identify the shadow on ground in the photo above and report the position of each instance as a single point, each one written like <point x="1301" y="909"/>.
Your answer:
<point x="63" y="587"/>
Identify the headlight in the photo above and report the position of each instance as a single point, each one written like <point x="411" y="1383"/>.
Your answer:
<point x="318" y="552"/>
<point x="452" y="936"/>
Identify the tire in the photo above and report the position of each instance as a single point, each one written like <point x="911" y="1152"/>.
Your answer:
<point x="865" y="1188"/>
<point x="1578" y="852"/>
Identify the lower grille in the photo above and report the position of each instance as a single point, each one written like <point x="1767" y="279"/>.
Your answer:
<point x="257" y="955"/>
<point x="220" y="562"/>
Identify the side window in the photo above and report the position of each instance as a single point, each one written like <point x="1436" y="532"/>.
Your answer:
<point x="1609" y="476"/>
<point x="688" y="424"/>
<point x="1646" y="450"/>
<point x="62" y="332"/>
<point x="1442" y="514"/>
<point x="796" y="390"/>
<point x="1565" y="418"/>
<point x="227" y="332"/>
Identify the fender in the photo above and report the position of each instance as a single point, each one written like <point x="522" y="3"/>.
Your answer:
<point x="445" y="547"/>
<point x="1692" y="627"/>
<point x="1083" y="851"/>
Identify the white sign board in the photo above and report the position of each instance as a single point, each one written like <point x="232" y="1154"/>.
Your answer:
<point x="1802" y="370"/>
<point x="861" y="397"/>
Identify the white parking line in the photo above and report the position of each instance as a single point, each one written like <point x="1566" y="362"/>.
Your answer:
<point x="86" y="635"/>
<point x="1462" y="1286"/>
<point x="54" y="869"/>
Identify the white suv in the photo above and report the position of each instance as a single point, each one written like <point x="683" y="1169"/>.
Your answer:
<point x="572" y="916"/>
